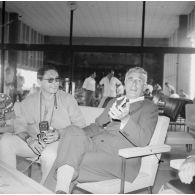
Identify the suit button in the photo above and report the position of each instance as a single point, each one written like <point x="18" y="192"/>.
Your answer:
<point x="102" y="140"/>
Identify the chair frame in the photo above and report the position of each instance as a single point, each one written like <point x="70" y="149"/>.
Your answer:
<point x="155" y="148"/>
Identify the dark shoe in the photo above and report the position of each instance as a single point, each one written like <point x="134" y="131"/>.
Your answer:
<point x="60" y="192"/>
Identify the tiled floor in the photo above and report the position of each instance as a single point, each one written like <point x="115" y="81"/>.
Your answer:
<point x="164" y="174"/>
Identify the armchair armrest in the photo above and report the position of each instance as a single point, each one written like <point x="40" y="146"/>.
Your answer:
<point x="143" y="151"/>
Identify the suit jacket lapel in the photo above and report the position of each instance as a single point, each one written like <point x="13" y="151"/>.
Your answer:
<point x="135" y="107"/>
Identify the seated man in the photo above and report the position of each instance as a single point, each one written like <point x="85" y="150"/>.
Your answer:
<point x="49" y="106"/>
<point x="187" y="170"/>
<point x="91" y="153"/>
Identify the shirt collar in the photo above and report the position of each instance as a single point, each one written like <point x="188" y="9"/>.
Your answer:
<point x="136" y="100"/>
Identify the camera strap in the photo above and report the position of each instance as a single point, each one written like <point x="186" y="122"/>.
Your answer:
<point x="41" y="104"/>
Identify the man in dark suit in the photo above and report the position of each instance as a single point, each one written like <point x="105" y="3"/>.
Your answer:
<point x="91" y="153"/>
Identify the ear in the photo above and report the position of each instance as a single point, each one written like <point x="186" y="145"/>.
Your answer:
<point x="144" y="87"/>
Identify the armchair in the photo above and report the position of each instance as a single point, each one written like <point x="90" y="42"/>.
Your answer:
<point x="150" y="160"/>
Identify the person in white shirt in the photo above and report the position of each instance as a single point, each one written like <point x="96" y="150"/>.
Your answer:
<point x="110" y="85"/>
<point x="168" y="89"/>
<point x="174" y="94"/>
<point x="89" y="89"/>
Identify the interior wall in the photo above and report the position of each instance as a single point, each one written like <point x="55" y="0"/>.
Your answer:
<point x="170" y="69"/>
<point x="177" y="67"/>
<point x="184" y="67"/>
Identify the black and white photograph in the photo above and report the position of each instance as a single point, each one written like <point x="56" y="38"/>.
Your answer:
<point x="97" y="97"/>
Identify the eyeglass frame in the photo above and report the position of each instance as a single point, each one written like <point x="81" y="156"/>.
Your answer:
<point x="51" y="80"/>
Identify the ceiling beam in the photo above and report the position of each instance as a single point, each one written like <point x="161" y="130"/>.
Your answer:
<point x="97" y="48"/>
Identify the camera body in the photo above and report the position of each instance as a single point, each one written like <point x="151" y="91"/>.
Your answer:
<point x="43" y="127"/>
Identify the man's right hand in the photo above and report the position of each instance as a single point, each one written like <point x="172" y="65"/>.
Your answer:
<point x="36" y="146"/>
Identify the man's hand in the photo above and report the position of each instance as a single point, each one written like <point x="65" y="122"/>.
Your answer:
<point x="52" y="136"/>
<point x="35" y="145"/>
<point x="187" y="170"/>
<point x="119" y="111"/>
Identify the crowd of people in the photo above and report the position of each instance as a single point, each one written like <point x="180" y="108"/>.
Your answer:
<point x="48" y="125"/>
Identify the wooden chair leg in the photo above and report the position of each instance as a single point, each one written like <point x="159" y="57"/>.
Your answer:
<point x="123" y="168"/>
<point x="150" y="190"/>
<point x="188" y="147"/>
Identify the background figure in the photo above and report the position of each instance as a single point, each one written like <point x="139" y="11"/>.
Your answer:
<point x="182" y="94"/>
<point x="173" y="94"/>
<point x="34" y="89"/>
<point x="168" y="88"/>
<point x="150" y="86"/>
<point x="147" y="93"/>
<point x="157" y="87"/>
<point x="89" y="89"/>
<point x="109" y="86"/>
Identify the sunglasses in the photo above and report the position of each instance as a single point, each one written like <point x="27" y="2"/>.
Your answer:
<point x="51" y="80"/>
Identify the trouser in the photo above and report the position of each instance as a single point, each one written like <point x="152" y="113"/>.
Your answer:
<point x="91" y="160"/>
<point x="11" y="146"/>
<point x="89" y="98"/>
<point x="102" y="102"/>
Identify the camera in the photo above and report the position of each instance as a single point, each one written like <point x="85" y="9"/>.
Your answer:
<point x="43" y="127"/>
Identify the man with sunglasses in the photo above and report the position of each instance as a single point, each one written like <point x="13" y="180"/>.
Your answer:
<point x="40" y="121"/>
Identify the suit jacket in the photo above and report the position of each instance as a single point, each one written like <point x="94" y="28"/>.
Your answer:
<point x="139" y="128"/>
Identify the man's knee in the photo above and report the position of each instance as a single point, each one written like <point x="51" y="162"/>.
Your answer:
<point x="48" y="156"/>
<point x="73" y="130"/>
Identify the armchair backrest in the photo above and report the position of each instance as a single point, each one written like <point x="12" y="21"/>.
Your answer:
<point x="150" y="163"/>
<point x="90" y="113"/>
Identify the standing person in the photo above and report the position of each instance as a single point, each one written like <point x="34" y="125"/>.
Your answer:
<point x="49" y="104"/>
<point x="110" y="84"/>
<point x="89" y="89"/>
<point x="91" y="153"/>
<point x="150" y="86"/>
<point x="168" y="89"/>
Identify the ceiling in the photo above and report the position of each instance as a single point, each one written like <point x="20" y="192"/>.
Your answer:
<point x="116" y="19"/>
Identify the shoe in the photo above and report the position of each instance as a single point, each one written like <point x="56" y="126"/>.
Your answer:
<point x="60" y="192"/>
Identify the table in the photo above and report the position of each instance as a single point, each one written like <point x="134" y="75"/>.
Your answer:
<point x="15" y="182"/>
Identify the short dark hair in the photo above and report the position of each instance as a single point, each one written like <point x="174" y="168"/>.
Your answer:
<point x="44" y="69"/>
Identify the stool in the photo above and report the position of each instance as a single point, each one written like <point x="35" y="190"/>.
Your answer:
<point x="180" y="138"/>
